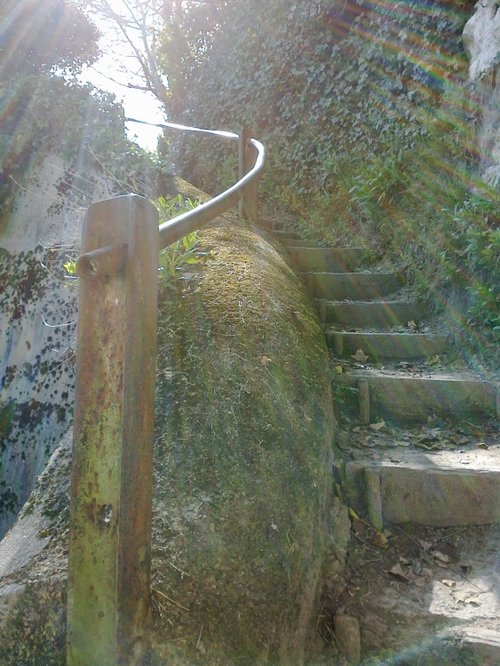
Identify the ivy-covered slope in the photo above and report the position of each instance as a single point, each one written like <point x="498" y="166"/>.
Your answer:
<point x="243" y="520"/>
<point x="370" y="125"/>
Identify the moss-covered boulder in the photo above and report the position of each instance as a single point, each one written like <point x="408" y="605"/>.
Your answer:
<point x="243" y="473"/>
<point x="243" y="457"/>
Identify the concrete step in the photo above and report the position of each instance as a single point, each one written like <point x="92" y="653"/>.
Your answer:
<point x="332" y="259"/>
<point x="284" y="233"/>
<point x="353" y="286"/>
<point x="387" y="345"/>
<point x="372" y="315"/>
<point x="287" y="238"/>
<point x="481" y="645"/>
<point x="466" y="646"/>
<point x="437" y="489"/>
<point x="296" y="242"/>
<point x="405" y="398"/>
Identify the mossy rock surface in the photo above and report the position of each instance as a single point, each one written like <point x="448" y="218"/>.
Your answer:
<point x="243" y="458"/>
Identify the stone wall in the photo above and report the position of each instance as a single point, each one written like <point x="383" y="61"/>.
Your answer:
<point x="244" y="526"/>
<point x="50" y="202"/>
<point x="482" y="40"/>
<point x="38" y="320"/>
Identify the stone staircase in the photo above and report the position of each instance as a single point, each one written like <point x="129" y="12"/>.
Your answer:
<point x="384" y="361"/>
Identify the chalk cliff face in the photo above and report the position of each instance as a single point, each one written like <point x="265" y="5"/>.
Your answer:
<point x="482" y="40"/>
<point x="37" y="321"/>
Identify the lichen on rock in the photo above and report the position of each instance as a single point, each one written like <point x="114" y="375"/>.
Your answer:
<point x="482" y="40"/>
<point x="38" y="320"/>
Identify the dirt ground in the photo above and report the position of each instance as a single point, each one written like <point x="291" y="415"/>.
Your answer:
<point x="408" y="586"/>
<point x="410" y="583"/>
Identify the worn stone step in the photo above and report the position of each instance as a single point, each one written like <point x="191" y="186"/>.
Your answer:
<point x="353" y="286"/>
<point x="464" y="646"/>
<point x="297" y="242"/>
<point x="481" y="645"/>
<point x="404" y="398"/>
<point x="333" y="259"/>
<point x="372" y="315"/>
<point x="387" y="345"/>
<point x="284" y="233"/>
<point x="437" y="489"/>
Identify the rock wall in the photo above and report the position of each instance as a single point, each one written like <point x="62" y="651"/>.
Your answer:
<point x="482" y="40"/>
<point x="50" y="203"/>
<point x="37" y="321"/>
<point x="37" y="314"/>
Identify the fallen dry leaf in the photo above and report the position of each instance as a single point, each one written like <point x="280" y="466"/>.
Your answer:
<point x="445" y="553"/>
<point x="440" y="563"/>
<point x="459" y="440"/>
<point x="420" y="582"/>
<point x="473" y="601"/>
<point x="353" y="514"/>
<point x="377" y="426"/>
<point x="380" y="540"/>
<point x="397" y="572"/>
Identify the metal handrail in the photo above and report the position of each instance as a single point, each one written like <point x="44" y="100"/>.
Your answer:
<point x="95" y="263"/>
<point x="176" y="228"/>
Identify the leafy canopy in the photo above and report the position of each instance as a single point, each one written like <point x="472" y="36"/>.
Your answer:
<point x="40" y="36"/>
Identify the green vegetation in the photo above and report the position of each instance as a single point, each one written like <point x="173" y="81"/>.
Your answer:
<point x="185" y="252"/>
<point x="370" y="126"/>
<point x="45" y="37"/>
<point x="45" y="110"/>
<point x="369" y="121"/>
<point x="242" y="524"/>
<point x="37" y="109"/>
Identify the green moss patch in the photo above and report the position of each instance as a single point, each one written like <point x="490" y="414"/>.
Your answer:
<point x="243" y="473"/>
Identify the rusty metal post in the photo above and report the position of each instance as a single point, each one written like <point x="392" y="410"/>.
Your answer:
<point x="111" y="486"/>
<point x="247" y="155"/>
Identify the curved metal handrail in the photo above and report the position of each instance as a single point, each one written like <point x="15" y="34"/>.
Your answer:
<point x="176" y="228"/>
